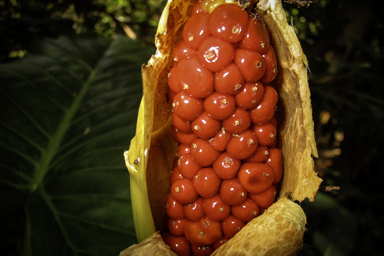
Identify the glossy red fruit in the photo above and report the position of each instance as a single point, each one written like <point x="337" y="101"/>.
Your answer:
<point x="179" y="244"/>
<point x="219" y="106"/>
<point x="231" y="226"/>
<point x="265" y="111"/>
<point x="174" y="134"/>
<point x="187" y="166"/>
<point x="274" y="121"/>
<point x="257" y="36"/>
<point x="264" y="199"/>
<point x="175" y="175"/>
<point x="183" y="149"/>
<point x="220" y="242"/>
<point x="182" y="51"/>
<point x="196" y="30"/>
<point x="202" y="250"/>
<point x="229" y="80"/>
<point x="196" y="8"/>
<point x="249" y="95"/>
<point x="181" y="124"/>
<point x="215" y="54"/>
<point x="260" y="156"/>
<point x="226" y="166"/>
<point x="176" y="226"/>
<point x="194" y="211"/>
<point x="183" y="191"/>
<point x="255" y="177"/>
<point x="238" y="122"/>
<point x="228" y="22"/>
<point x="245" y="211"/>
<point x="206" y="182"/>
<point x="205" y="126"/>
<point x="174" y="209"/>
<point x="275" y="161"/>
<point x="187" y="107"/>
<point x="173" y="85"/>
<point x="186" y="138"/>
<point x="242" y="145"/>
<point x="220" y="141"/>
<point x="194" y="79"/>
<point x="202" y="153"/>
<point x="266" y="133"/>
<point x="251" y="64"/>
<point x="271" y="70"/>
<point x="203" y="232"/>
<point x="215" y="208"/>
<point x="232" y="192"/>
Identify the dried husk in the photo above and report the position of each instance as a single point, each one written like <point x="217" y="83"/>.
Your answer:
<point x="279" y="231"/>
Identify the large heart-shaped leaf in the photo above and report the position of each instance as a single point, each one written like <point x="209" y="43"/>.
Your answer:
<point x="68" y="111"/>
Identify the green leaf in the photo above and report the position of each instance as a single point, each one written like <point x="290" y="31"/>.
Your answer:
<point x="69" y="111"/>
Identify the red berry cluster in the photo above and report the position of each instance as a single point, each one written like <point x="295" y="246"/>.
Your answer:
<point x="228" y="167"/>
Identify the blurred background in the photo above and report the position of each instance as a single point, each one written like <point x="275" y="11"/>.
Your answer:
<point x="70" y="88"/>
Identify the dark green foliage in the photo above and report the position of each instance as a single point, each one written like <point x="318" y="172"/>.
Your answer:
<point x="69" y="110"/>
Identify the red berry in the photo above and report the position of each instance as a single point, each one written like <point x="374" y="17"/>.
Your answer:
<point x="194" y="79"/>
<point x="175" y="175"/>
<point x="196" y="8"/>
<point x="186" y="138"/>
<point x="275" y="161"/>
<point x="202" y="250"/>
<point x="196" y="30"/>
<point x="220" y="242"/>
<point x="215" y="208"/>
<point x="232" y="192"/>
<point x="182" y="51"/>
<point x="226" y="167"/>
<point x="257" y="37"/>
<point x="231" y="226"/>
<point x="187" y="107"/>
<point x="260" y="156"/>
<point x="183" y="191"/>
<point x="176" y="226"/>
<point x="238" y="122"/>
<point x="183" y="149"/>
<point x="174" y="134"/>
<point x="187" y="166"/>
<point x="173" y="84"/>
<point x="251" y="64"/>
<point x="245" y="211"/>
<point x="180" y="124"/>
<point x="173" y="208"/>
<point x="271" y="69"/>
<point x="249" y="95"/>
<point x="264" y="199"/>
<point x="265" y="111"/>
<point x="194" y="211"/>
<point x="205" y="126"/>
<point x="266" y="133"/>
<point x="202" y="153"/>
<point x="203" y="232"/>
<point x="242" y="145"/>
<point x="229" y="80"/>
<point x="255" y="177"/>
<point x="228" y="22"/>
<point x="215" y="54"/>
<point x="220" y="141"/>
<point x="206" y="182"/>
<point x="219" y="106"/>
<point x="179" y="244"/>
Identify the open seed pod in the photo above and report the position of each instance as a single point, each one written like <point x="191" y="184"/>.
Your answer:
<point x="279" y="230"/>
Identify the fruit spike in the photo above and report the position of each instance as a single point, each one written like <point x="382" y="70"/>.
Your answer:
<point x="155" y="150"/>
<point x="235" y="102"/>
